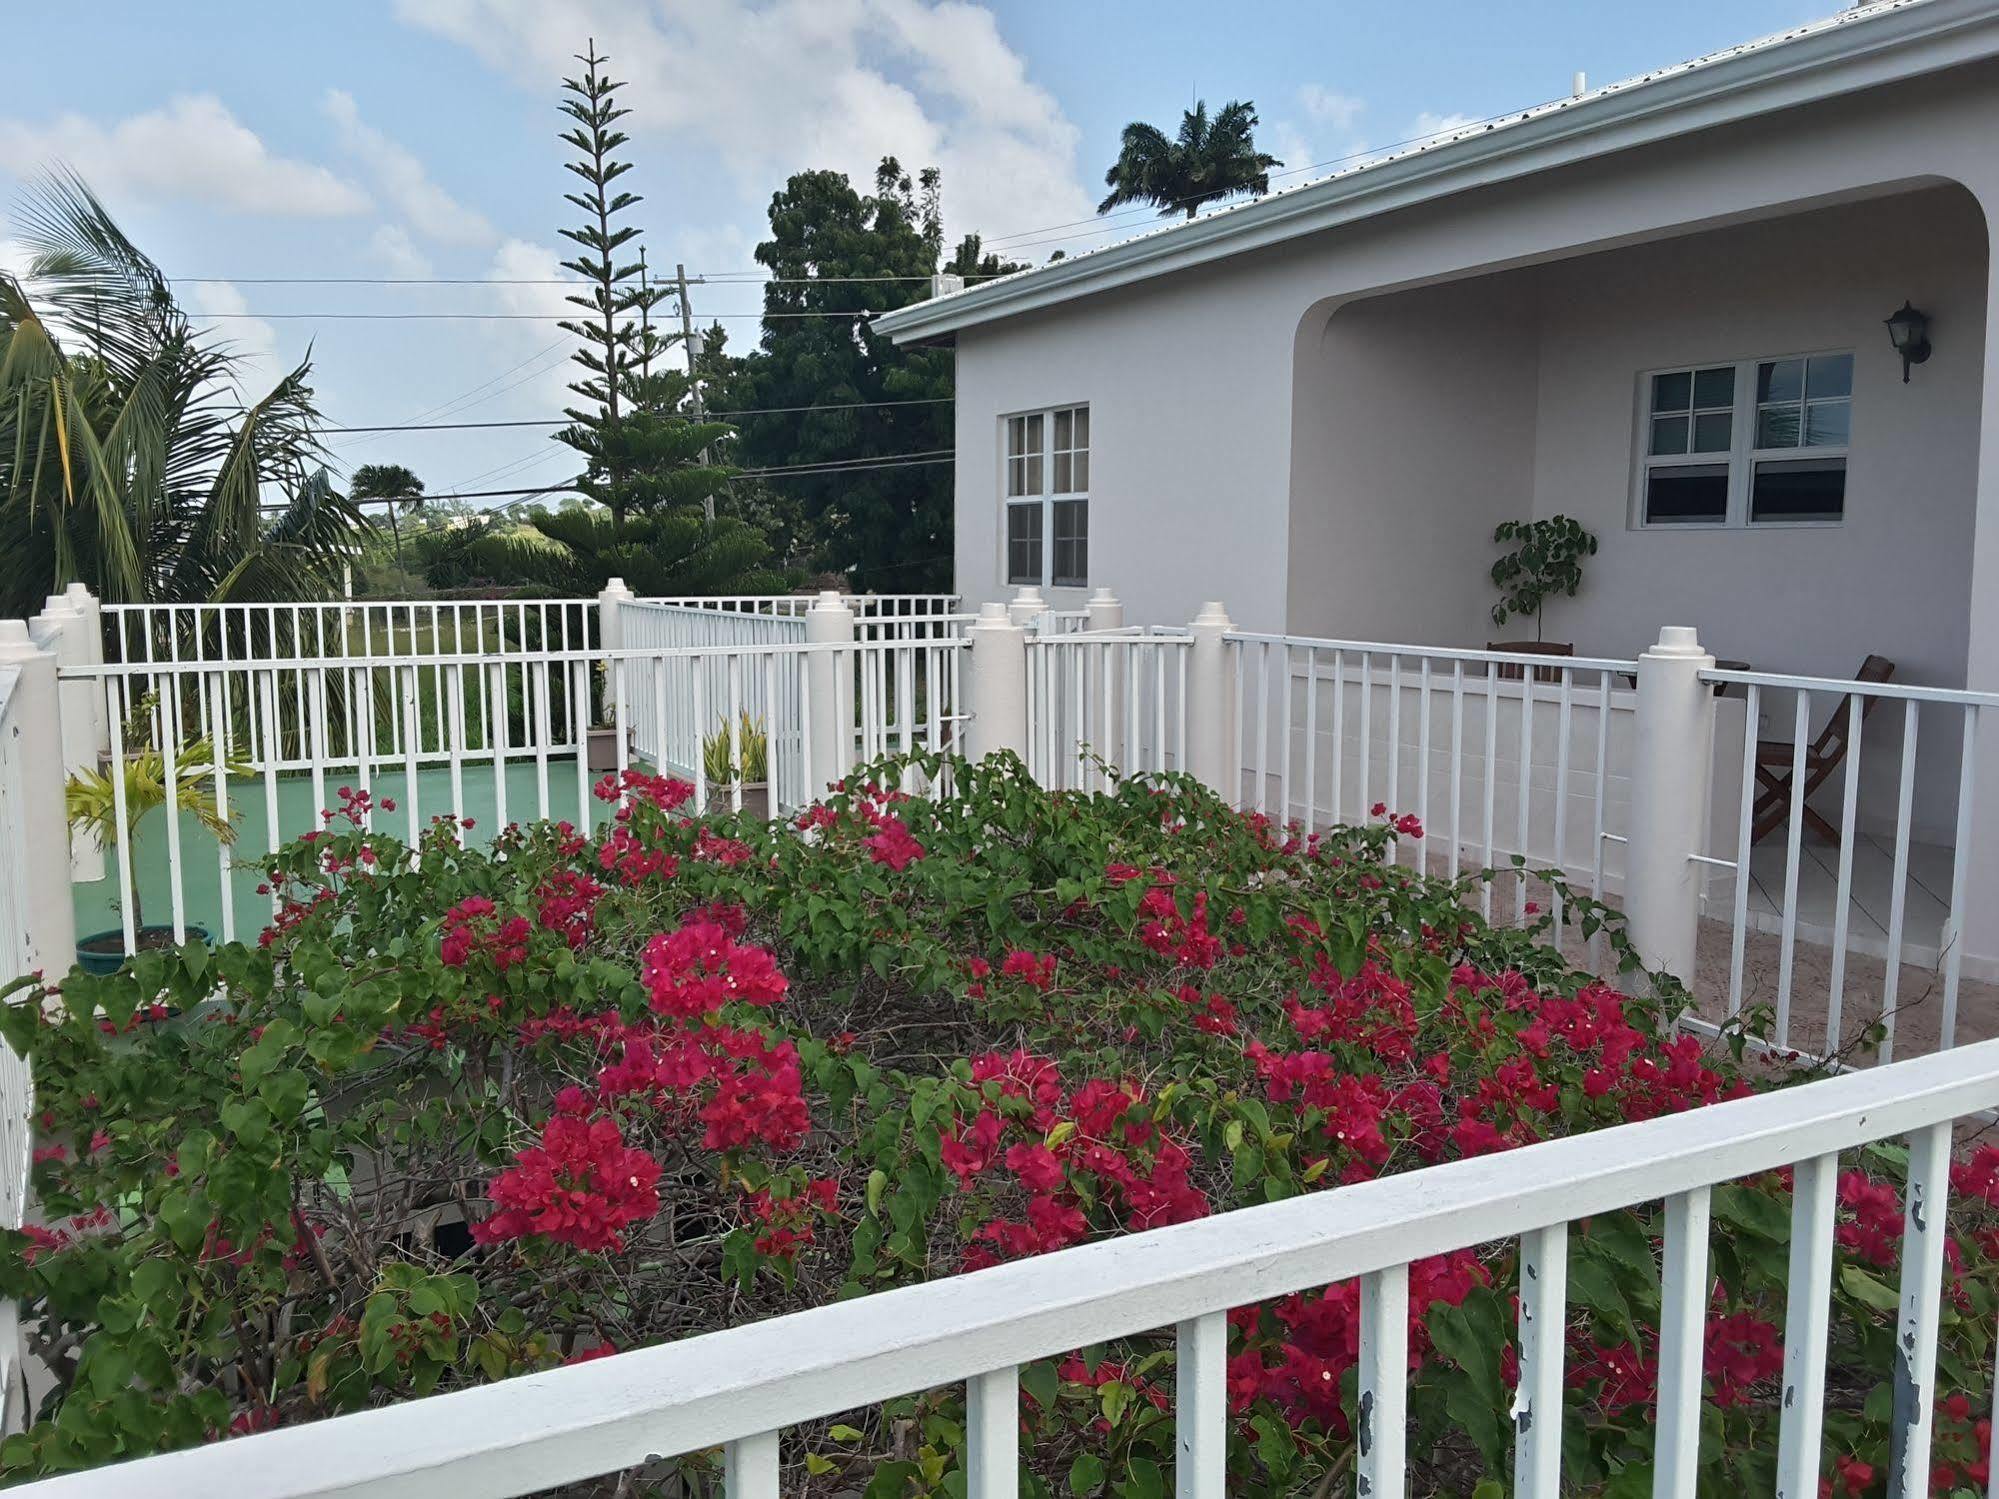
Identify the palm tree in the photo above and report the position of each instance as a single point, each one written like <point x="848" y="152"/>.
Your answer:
<point x="1209" y="161"/>
<point x="130" y="458"/>
<point x="396" y="487"/>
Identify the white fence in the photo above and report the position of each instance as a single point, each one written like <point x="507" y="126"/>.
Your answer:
<point x="1500" y="756"/>
<point x="1608" y="768"/>
<point x="742" y="1387"/>
<point x="17" y="955"/>
<point x="1821" y="715"/>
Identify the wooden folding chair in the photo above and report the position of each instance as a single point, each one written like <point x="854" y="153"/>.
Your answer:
<point x="1824" y="755"/>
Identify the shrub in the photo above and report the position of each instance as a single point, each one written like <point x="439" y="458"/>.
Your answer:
<point x="464" y="1114"/>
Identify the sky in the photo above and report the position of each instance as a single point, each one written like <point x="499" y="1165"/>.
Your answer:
<point x="238" y="141"/>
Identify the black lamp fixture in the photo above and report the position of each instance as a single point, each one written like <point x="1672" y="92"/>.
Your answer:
<point x="1909" y="332"/>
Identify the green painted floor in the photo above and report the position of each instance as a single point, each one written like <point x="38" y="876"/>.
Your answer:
<point x="202" y="859"/>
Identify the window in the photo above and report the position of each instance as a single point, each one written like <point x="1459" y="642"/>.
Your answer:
<point x="1047" y="497"/>
<point x="1761" y="442"/>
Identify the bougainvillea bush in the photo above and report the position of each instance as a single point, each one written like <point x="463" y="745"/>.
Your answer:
<point x="465" y="1114"/>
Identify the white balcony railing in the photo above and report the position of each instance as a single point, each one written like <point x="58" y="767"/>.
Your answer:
<point x="741" y="1388"/>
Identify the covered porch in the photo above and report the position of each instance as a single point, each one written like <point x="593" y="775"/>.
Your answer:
<point x="1723" y="410"/>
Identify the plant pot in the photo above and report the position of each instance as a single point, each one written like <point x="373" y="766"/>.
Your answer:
<point x="103" y="953"/>
<point x="603" y="748"/>
<point x="756" y="800"/>
<point x="1513" y="671"/>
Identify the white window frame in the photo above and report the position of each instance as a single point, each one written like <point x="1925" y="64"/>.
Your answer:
<point x="1049" y="496"/>
<point x="1741" y="455"/>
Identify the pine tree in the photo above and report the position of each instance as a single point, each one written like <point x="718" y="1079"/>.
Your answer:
<point x="610" y="335"/>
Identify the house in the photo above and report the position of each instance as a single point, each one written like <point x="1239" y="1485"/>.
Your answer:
<point x="1658" y="307"/>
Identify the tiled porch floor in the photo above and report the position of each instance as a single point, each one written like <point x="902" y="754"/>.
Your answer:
<point x="1870" y="909"/>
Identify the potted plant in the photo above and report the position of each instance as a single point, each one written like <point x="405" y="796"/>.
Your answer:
<point x="725" y="772"/>
<point x="91" y="800"/>
<point x="1546" y="558"/>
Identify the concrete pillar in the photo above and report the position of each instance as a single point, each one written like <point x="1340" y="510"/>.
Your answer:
<point x="1210" y="707"/>
<point x="610" y="614"/>
<point x="38" y="826"/>
<point x="831" y="754"/>
<point x="1107" y="729"/>
<point x="81" y="599"/>
<point x="1978" y="905"/>
<point x="1027" y="606"/>
<point x="65" y="632"/>
<point x="996" y="684"/>
<point x="1671" y="761"/>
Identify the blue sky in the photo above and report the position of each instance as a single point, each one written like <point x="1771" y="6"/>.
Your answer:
<point x="415" y="138"/>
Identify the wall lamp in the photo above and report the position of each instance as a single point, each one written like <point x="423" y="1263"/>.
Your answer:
<point x="1909" y="332"/>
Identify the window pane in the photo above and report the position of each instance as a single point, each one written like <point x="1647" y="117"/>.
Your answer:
<point x="1780" y="380"/>
<point x="1712" y="431"/>
<point x="1716" y="387"/>
<point x="1023" y="543"/>
<point x="1064" y="422"/>
<point x="1799" y="489"/>
<point x="1694" y="492"/>
<point x="1827" y="423"/>
<point x="1032" y="484"/>
<point x="1034" y="433"/>
<point x="1061" y="469"/>
<point x="1669" y="434"/>
<point x="1830" y="377"/>
<point x="1016" y="435"/>
<point x="1670" y="392"/>
<point x="1777" y="427"/>
<point x="1082" y="426"/>
<point x="1083" y="471"/>
<point x="1016" y="477"/>
<point x="1072" y="543"/>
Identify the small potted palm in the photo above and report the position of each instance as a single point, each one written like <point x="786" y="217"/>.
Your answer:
<point x="92" y="804"/>
<point x="1546" y="559"/>
<point x="744" y="762"/>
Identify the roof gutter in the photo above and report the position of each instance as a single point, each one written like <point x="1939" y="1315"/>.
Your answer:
<point x="1913" y="39"/>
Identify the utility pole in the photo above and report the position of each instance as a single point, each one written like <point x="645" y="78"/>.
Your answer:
<point x="681" y="284"/>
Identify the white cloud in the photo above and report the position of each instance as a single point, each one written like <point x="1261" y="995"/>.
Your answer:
<point x="404" y="181"/>
<point x="193" y="150"/>
<point x="1429" y="125"/>
<point x="1334" y="111"/>
<point x="252" y="340"/>
<point x="397" y="253"/>
<point x="837" y="83"/>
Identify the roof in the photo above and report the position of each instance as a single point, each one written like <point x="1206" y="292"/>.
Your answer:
<point x="1862" y="47"/>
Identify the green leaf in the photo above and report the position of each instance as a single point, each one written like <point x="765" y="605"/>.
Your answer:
<point x="1867" y="1290"/>
<point x="1086" y="1475"/>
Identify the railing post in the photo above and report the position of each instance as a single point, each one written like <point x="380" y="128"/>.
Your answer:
<point x="611" y="603"/>
<point x="996" y="684"/>
<point x="1209" y="708"/>
<point x="1107" y="702"/>
<point x="67" y="632"/>
<point x="34" y="721"/>
<point x="86" y="604"/>
<point x="1670" y="770"/>
<point x="1027" y="606"/>
<point x="829" y="621"/>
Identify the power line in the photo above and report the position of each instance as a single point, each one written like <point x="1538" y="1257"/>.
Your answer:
<point x="915" y="460"/>
<point x="564" y="421"/>
<point x="486" y="317"/>
<point x="717" y="278"/>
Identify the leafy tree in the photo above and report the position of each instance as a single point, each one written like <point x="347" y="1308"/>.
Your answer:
<point x="394" y="487"/>
<point x="838" y="256"/>
<point x="970" y="263"/>
<point x="130" y="457"/>
<point x="575" y="550"/>
<point x="1208" y="161"/>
